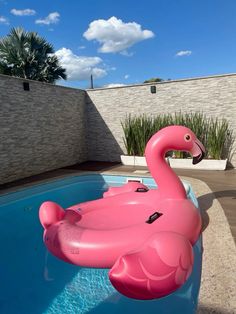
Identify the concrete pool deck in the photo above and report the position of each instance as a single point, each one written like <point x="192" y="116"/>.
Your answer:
<point x="218" y="286"/>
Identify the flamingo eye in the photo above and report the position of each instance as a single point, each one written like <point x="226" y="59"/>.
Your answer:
<point x="187" y="138"/>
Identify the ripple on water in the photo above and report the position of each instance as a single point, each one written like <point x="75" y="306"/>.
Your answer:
<point x="86" y="290"/>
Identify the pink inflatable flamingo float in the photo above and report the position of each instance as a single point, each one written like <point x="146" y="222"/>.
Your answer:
<point x="144" y="236"/>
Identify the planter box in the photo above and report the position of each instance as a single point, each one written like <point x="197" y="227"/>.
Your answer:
<point x="133" y="160"/>
<point x="178" y="163"/>
<point x="205" y="164"/>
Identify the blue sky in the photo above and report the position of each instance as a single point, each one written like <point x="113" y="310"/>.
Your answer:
<point x="128" y="41"/>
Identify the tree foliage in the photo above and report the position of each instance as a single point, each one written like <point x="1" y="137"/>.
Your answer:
<point x="154" y="79"/>
<point x="27" y="55"/>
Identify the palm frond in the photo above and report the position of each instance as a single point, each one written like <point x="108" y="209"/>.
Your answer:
<point x="26" y="54"/>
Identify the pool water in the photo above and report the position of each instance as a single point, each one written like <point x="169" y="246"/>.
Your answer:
<point x="33" y="281"/>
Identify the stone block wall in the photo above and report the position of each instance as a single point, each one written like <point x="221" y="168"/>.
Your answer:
<point x="106" y="108"/>
<point x="50" y="126"/>
<point x="41" y="129"/>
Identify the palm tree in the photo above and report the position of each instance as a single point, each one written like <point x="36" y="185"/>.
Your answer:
<point x="26" y="54"/>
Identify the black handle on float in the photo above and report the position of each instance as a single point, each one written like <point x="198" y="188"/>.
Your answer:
<point x="153" y="217"/>
<point x="141" y="190"/>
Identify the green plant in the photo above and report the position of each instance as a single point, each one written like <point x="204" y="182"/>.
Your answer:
<point x="216" y="135"/>
<point x="128" y="129"/>
<point x="219" y="139"/>
<point x="153" y="80"/>
<point x="26" y="54"/>
<point x="137" y="131"/>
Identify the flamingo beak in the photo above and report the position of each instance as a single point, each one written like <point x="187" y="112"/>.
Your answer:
<point x="198" y="151"/>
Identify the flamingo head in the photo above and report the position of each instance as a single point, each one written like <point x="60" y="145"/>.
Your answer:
<point x="180" y="138"/>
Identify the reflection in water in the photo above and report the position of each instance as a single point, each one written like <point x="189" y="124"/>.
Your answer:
<point x="46" y="272"/>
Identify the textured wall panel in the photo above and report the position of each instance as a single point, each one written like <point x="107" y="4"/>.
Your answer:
<point x="215" y="96"/>
<point x="41" y="129"/>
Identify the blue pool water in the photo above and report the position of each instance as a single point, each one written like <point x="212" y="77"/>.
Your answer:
<point x="32" y="281"/>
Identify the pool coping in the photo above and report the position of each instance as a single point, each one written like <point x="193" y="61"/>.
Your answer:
<point x="218" y="283"/>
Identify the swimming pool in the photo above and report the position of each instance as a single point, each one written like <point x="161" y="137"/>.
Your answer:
<point x="33" y="281"/>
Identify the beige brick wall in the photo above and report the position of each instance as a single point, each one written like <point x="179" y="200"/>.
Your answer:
<point x="215" y="96"/>
<point x="51" y="126"/>
<point x="41" y="129"/>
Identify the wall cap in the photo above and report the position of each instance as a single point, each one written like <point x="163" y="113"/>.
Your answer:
<point x="38" y="82"/>
<point x="164" y="82"/>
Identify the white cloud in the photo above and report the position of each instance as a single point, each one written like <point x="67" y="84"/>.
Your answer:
<point x="52" y="18"/>
<point x="127" y="53"/>
<point x="114" y="35"/>
<point x="79" y="68"/>
<point x="126" y="76"/>
<point x="114" y="85"/>
<point x="81" y="47"/>
<point x="23" y="12"/>
<point x="183" y="53"/>
<point x="4" y="20"/>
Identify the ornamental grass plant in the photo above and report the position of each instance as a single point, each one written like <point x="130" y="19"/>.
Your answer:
<point x="219" y="139"/>
<point x="215" y="134"/>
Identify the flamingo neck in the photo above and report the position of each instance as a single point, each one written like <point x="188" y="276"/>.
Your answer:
<point x="169" y="184"/>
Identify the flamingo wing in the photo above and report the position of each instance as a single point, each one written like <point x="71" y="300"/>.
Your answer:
<point x="160" y="267"/>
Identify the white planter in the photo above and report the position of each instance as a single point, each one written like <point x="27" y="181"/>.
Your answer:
<point x="133" y="160"/>
<point x="205" y="164"/>
<point x="178" y="163"/>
